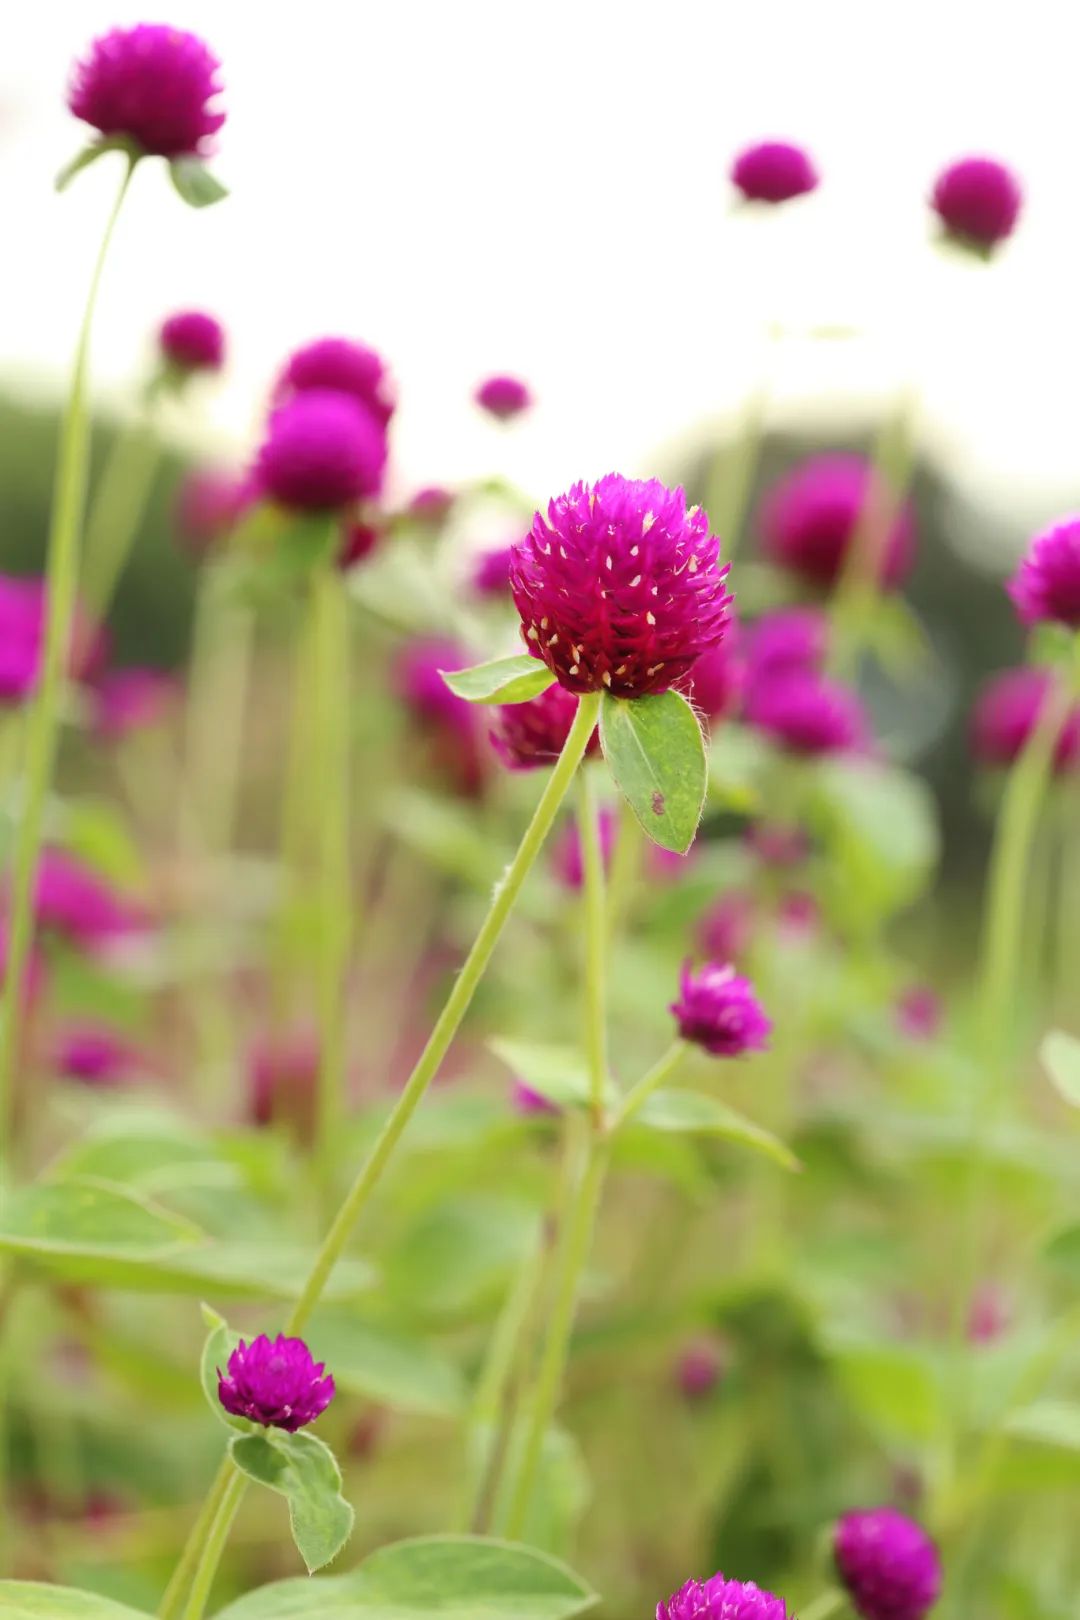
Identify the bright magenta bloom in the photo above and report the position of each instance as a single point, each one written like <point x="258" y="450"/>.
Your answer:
<point x="888" y="1564"/>
<point x="126" y="700"/>
<point x="719" y="1011"/>
<point x="978" y="200"/>
<point x="343" y="367"/>
<point x="812" y="514"/>
<point x="22" y="639"/>
<point x="97" y="1055"/>
<point x="620" y="587"/>
<point x="1046" y="586"/>
<point x="503" y="397"/>
<point x="529" y="735"/>
<point x="155" y="84"/>
<point x="191" y="340"/>
<point x="1005" y="715"/>
<point x="808" y="714"/>
<point x="773" y="172"/>
<point x="720" y="1599"/>
<point x="275" y="1382"/>
<point x="322" y="451"/>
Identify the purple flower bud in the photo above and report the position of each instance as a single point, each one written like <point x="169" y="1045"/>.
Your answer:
<point x="97" y="1055"/>
<point x="990" y="1315"/>
<point x="719" y="1011"/>
<point x="126" y="700"/>
<point x="619" y="587"/>
<point x="812" y="514"/>
<point x="888" y="1564"/>
<point x="503" y="397"/>
<point x="154" y="84"/>
<point x="918" y="1013"/>
<point x="978" y="200"/>
<point x="1046" y="586"/>
<point x="276" y="1383"/>
<point x="773" y="172"/>
<point x="807" y="714"/>
<point x="720" y="1599"/>
<point x="448" y="724"/>
<point x="567" y="861"/>
<point x="529" y="735"/>
<point x="491" y="572"/>
<point x="193" y="341"/>
<point x="1005" y="715"/>
<point x="340" y="366"/>
<point x="700" y="1367"/>
<point x="322" y="451"/>
<point x="790" y="641"/>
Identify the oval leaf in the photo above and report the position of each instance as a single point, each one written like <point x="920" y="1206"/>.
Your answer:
<point x="503" y="680"/>
<point x="656" y="753"/>
<point x="194" y="182"/>
<point x="305" y="1471"/>
<point x="696" y="1114"/>
<point x="1060" y="1054"/>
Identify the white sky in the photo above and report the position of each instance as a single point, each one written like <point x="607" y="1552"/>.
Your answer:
<point x="479" y="185"/>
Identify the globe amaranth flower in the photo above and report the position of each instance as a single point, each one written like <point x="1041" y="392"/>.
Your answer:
<point x="718" y="1010"/>
<point x="888" y="1564"/>
<point x="1046" y="586"/>
<point x="808" y="714"/>
<point x="787" y="641"/>
<point x="127" y="700"/>
<point x="97" y="1055"/>
<point x="619" y="587"/>
<point x="773" y="172"/>
<point x="978" y="200"/>
<point x="1006" y="713"/>
<point x="503" y="397"/>
<point x="275" y="1382"/>
<point x="812" y="515"/>
<point x="530" y="735"/>
<point x="322" y="451"/>
<point x="447" y="724"/>
<point x="156" y="85"/>
<point x="191" y="340"/>
<point x="721" y="1599"/>
<point x="567" y="857"/>
<point x="700" y="1366"/>
<point x="343" y="367"/>
<point x="491" y="572"/>
<point x="283" y="1074"/>
<point x="208" y="505"/>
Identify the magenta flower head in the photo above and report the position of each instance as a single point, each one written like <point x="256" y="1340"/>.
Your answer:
<point x="447" y="724"/>
<point x="342" y="367"/>
<point x="529" y="735"/>
<point x="97" y="1056"/>
<point x="620" y="587"/>
<point x="191" y="340"/>
<point x="720" y="1599"/>
<point x="978" y="200"/>
<point x="153" y="84"/>
<point x="1046" y="586"/>
<point x="208" y="505"/>
<point x="1005" y="715"/>
<point x="503" y="397"/>
<point x="773" y="172"/>
<point x="322" y="451"/>
<point x="127" y="700"/>
<point x="75" y="903"/>
<point x="567" y="861"/>
<point x="808" y="714"/>
<point x="491" y="572"/>
<point x="812" y="514"/>
<point x="23" y="606"/>
<point x="888" y="1564"/>
<point x="275" y="1382"/>
<point x="718" y="1010"/>
<point x="789" y="640"/>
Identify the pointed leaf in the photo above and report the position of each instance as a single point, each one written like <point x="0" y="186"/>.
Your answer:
<point x="219" y="1346"/>
<point x="29" y="1600"/>
<point x="305" y="1471"/>
<point x="503" y="680"/>
<point x="696" y="1114"/>
<point x="90" y="154"/>
<point x="656" y="753"/>
<point x="1060" y="1054"/>
<point x="194" y="182"/>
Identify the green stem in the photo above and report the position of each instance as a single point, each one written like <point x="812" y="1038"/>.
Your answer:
<point x="61" y="580"/>
<point x="595" y="939"/>
<point x="829" y="1603"/>
<point x="214" y="1546"/>
<point x="660" y="1072"/>
<point x="173" y="1596"/>
<point x="117" y="510"/>
<point x="294" y="830"/>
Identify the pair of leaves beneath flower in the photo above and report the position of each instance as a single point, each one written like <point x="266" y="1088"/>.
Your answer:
<point x="191" y="178"/>
<point x="653" y="746"/>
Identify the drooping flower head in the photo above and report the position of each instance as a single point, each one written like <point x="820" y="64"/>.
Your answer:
<point x="491" y="572"/>
<point x="619" y="587"/>
<point x="773" y="172"/>
<point x="567" y="858"/>
<point x="978" y="200"/>
<point x="788" y="640"/>
<point x="322" y="451"/>
<point x="341" y="366"/>
<point x="275" y="1382"/>
<point x="97" y="1055"/>
<point x="888" y="1564"/>
<point x="191" y="341"/>
<point x="1046" y="586"/>
<point x="721" y="1599"/>
<point x="718" y="1010"/>
<point x="529" y="735"/>
<point x="813" y="513"/>
<point x="126" y="700"/>
<point x="503" y="397"/>
<point x="1005" y="715"/>
<point x="700" y="1367"/>
<point x="208" y="505"/>
<point x="808" y="714"/>
<point x="154" y="84"/>
<point x="283" y="1073"/>
<point x="448" y="724"/>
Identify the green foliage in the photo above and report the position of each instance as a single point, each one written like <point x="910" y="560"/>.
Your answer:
<point x="503" y="680"/>
<point x="1060" y="1054"/>
<point x="303" y="1470"/>
<point x="386" y="1364"/>
<point x="90" y="154"/>
<point x="694" y="1113"/>
<point x="194" y="182"/>
<point x="880" y="829"/>
<point x="656" y="753"/>
<point x="26" y="1600"/>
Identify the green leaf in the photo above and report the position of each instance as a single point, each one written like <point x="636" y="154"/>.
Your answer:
<point x="1048" y="1423"/>
<point x="656" y="753"/>
<point x="388" y="1366"/>
<point x="738" y="761"/>
<point x="556" y="1072"/>
<point x="503" y="680"/>
<point x="90" y="154"/>
<point x="27" y="1600"/>
<point x="220" y="1344"/>
<point x="194" y="182"/>
<point x="305" y="1471"/>
<point x="897" y="1391"/>
<point x="430" y="1578"/>
<point x="459" y="1256"/>
<point x="1060" y="1055"/>
<point x="880" y="827"/>
<point x="696" y="1114"/>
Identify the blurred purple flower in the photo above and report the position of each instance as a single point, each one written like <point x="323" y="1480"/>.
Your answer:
<point x="773" y="172"/>
<point x="191" y="340"/>
<point x="283" y="1074"/>
<point x="22" y="639"/>
<point x="715" y="684"/>
<point x="888" y="1564"/>
<point x="491" y="572"/>
<point x="918" y="1013"/>
<point x="978" y="200"/>
<point x="340" y="366"/>
<point x="322" y="451"/>
<point x="527" y="1101"/>
<point x="152" y="83"/>
<point x="77" y="904"/>
<point x="566" y="856"/>
<point x="504" y="397"/>
<point x="990" y="1315"/>
<point x="126" y="700"/>
<point x="448" y="723"/>
<point x="788" y="641"/>
<point x="700" y="1367"/>
<point x="778" y="844"/>
<point x="358" y="541"/>
<point x="530" y="735"/>
<point x="718" y="1010"/>
<point x="1046" y="586"/>
<point x="812" y="514"/>
<point x="808" y="714"/>
<point x="431" y="504"/>
<point x="97" y="1055"/>
<point x="275" y="1382"/>
<point x="1005" y="715"/>
<point x="208" y="504"/>
<point x="727" y="927"/>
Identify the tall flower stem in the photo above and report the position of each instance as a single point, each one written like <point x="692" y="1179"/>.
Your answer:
<point x="173" y="1596"/>
<point x="214" y="1545"/>
<point x="61" y="579"/>
<point x="117" y="510"/>
<point x="595" y="935"/>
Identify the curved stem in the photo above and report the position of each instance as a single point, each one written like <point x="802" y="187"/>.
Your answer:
<point x="169" y="1606"/>
<point x="595" y="939"/>
<point x="214" y="1545"/>
<point x="61" y="580"/>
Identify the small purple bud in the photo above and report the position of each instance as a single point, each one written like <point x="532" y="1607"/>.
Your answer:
<point x="503" y="397"/>
<point x="773" y="172"/>
<point x="978" y="200"/>
<point x="700" y="1367"/>
<point x="191" y="340"/>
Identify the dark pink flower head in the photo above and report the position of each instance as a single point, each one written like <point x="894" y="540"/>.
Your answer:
<point x="154" y="84"/>
<point x="448" y="724"/>
<point x="718" y="1010"/>
<point x="503" y="397"/>
<point x="567" y="861"/>
<point x="126" y="700"/>
<point x="283" y="1073"/>
<point x="1046" y="586"/>
<point x="322" y="451"/>
<point x="97" y="1055"/>
<point x="812" y="514"/>
<point x="431" y="504"/>
<point x="808" y="714"/>
<point x="888" y="1564"/>
<point x="275" y="1382"/>
<point x="720" y="1599"/>
<point x="715" y="684"/>
<point x="208" y="505"/>
<point x="491" y="572"/>
<point x="978" y="200"/>
<point x="773" y="172"/>
<point x="789" y="640"/>
<point x="529" y="1102"/>
<point x="918" y="1013"/>
<point x="191" y="340"/>
<point x="340" y="366"/>
<point x="1005" y="715"/>
<point x="620" y="587"/>
<point x="530" y="735"/>
<point x="358" y="541"/>
<point x="74" y="902"/>
<point x="727" y="927"/>
<point x="700" y="1367"/>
